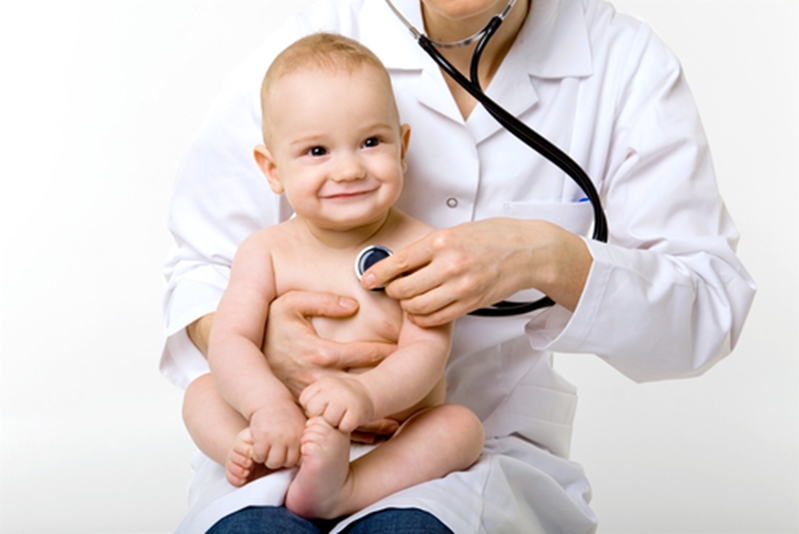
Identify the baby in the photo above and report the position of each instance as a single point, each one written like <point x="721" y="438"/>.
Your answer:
<point x="334" y="145"/>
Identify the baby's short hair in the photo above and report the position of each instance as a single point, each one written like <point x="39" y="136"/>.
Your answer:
<point x="321" y="50"/>
<point x="325" y="51"/>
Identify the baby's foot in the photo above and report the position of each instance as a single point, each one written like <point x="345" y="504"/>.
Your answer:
<point x="239" y="466"/>
<point x="323" y="483"/>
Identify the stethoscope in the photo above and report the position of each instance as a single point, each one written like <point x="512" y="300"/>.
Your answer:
<point x="523" y="132"/>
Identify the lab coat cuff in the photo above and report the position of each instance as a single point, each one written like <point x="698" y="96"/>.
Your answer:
<point x="192" y="298"/>
<point x="181" y="361"/>
<point x="560" y="330"/>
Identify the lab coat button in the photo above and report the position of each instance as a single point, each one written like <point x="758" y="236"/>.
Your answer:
<point x="452" y="202"/>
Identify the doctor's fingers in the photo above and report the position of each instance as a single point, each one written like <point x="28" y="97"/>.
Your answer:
<point x="371" y="431"/>
<point x="312" y="304"/>
<point x="436" y="260"/>
<point x="304" y="356"/>
<point x="402" y="262"/>
<point x="442" y="283"/>
<point x="347" y="355"/>
<point x="298" y="357"/>
<point x="445" y="314"/>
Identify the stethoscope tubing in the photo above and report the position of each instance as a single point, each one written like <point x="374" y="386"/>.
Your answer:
<point x="525" y="134"/>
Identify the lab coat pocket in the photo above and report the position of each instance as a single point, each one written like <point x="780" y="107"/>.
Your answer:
<point x="576" y="217"/>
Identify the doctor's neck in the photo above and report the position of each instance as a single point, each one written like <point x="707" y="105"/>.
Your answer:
<point x="447" y="24"/>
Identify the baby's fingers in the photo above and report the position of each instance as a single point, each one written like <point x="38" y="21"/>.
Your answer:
<point x="312" y="402"/>
<point x="305" y="398"/>
<point x="276" y="458"/>
<point x="350" y="420"/>
<point x="292" y="456"/>
<point x="334" y="414"/>
<point x="259" y="453"/>
<point x="317" y="401"/>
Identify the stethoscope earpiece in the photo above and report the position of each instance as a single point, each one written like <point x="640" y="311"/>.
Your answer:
<point x="368" y="257"/>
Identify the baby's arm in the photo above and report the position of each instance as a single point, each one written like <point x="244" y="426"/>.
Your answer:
<point x="400" y="381"/>
<point x="239" y="368"/>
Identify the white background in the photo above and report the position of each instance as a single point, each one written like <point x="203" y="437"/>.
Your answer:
<point x="98" y="101"/>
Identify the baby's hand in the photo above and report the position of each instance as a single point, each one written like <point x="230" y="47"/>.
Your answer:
<point x="342" y="401"/>
<point x="276" y="432"/>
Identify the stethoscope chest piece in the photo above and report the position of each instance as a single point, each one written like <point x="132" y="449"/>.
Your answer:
<point x="368" y="257"/>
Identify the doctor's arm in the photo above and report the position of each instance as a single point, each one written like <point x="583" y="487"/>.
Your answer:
<point x="666" y="297"/>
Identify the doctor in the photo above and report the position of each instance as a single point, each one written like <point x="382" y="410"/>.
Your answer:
<point x="665" y="298"/>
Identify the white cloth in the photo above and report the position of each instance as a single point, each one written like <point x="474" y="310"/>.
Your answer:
<point x="666" y="297"/>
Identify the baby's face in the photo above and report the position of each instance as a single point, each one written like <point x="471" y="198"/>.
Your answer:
<point x="336" y="146"/>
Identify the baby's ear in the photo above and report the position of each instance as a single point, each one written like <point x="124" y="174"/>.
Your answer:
<point x="267" y="164"/>
<point x="405" y="139"/>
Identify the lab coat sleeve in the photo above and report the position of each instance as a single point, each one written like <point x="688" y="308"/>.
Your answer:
<point x="220" y="198"/>
<point x="666" y="297"/>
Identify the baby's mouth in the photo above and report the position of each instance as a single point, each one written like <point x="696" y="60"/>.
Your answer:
<point x="345" y="195"/>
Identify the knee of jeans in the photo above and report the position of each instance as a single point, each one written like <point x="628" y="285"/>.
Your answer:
<point x="264" y="520"/>
<point x="399" y="520"/>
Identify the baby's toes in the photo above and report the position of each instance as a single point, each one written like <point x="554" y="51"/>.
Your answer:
<point x="237" y="474"/>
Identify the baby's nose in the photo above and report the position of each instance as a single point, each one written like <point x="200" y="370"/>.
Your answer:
<point x="349" y="167"/>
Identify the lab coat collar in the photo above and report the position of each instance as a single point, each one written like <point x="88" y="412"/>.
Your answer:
<point x="554" y="38"/>
<point x="388" y="37"/>
<point x="552" y="44"/>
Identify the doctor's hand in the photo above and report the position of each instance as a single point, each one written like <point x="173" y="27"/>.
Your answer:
<point x="298" y="356"/>
<point x="454" y="271"/>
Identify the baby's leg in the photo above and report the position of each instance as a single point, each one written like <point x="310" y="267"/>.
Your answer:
<point x="431" y="444"/>
<point x="219" y="431"/>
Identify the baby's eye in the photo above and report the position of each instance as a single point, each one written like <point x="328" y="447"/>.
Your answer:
<point x="371" y="142"/>
<point x="317" y="151"/>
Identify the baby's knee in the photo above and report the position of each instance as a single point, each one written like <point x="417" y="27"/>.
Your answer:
<point x="197" y="393"/>
<point x="461" y="421"/>
<point x="199" y="387"/>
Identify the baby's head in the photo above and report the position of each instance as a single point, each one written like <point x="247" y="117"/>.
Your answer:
<point x="333" y="141"/>
<point x="321" y="54"/>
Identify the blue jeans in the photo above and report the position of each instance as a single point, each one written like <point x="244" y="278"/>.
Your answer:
<point x="278" y="520"/>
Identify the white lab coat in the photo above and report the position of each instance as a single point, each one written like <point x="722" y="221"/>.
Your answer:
<point x="665" y="298"/>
